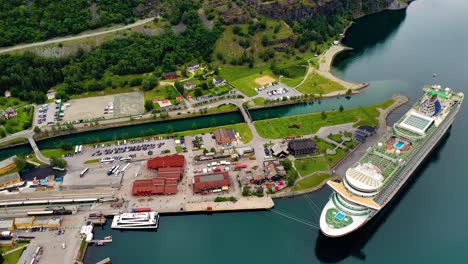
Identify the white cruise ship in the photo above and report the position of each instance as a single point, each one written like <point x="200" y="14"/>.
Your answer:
<point x="146" y="220"/>
<point x="378" y="176"/>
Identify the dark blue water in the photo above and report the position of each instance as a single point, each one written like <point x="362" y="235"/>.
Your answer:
<point x="395" y="52"/>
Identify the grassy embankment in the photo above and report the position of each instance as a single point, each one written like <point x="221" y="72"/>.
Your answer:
<point x="49" y="153"/>
<point x="310" y="182"/>
<point x="310" y="165"/>
<point x="317" y="84"/>
<point x="13" y="257"/>
<point x="311" y="123"/>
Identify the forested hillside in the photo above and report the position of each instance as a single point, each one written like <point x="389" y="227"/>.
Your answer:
<point x="35" y="20"/>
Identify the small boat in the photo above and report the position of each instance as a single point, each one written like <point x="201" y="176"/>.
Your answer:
<point x="100" y="243"/>
<point x="108" y="238"/>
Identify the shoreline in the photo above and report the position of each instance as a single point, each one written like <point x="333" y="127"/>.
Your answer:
<point x="326" y="61"/>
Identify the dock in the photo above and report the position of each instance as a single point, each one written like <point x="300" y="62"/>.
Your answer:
<point x="104" y="261"/>
<point x="101" y="241"/>
<point x="243" y="204"/>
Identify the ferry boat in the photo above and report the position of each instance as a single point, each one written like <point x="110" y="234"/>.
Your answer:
<point x="143" y="220"/>
<point x="378" y="176"/>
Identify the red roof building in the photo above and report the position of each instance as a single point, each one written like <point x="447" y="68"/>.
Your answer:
<point x="179" y="98"/>
<point x="170" y="189"/>
<point x="175" y="160"/>
<point x="170" y="75"/>
<point x="207" y="183"/>
<point x="157" y="186"/>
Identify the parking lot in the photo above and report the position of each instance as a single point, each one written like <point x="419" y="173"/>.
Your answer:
<point x="105" y="107"/>
<point x="277" y="91"/>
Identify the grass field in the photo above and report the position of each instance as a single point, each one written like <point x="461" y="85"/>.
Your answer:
<point x="311" y="123"/>
<point x="259" y="101"/>
<point x="58" y="153"/>
<point x="162" y="92"/>
<point x="311" y="182"/>
<point x="335" y="158"/>
<point x="323" y="145"/>
<point x="243" y="78"/>
<point x="317" y="84"/>
<point x="296" y="75"/>
<point x="13" y="257"/>
<point x="309" y="165"/>
<point x="222" y="108"/>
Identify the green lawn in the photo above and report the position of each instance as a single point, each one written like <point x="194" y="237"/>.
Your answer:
<point x="91" y="161"/>
<point x="335" y="158"/>
<point x="335" y="137"/>
<point x="162" y="92"/>
<point x="13" y="257"/>
<point x="311" y="123"/>
<point x="58" y="153"/>
<point x="311" y="182"/>
<point x="259" y="101"/>
<point x="317" y="84"/>
<point x="243" y="77"/>
<point x="107" y="91"/>
<point x="222" y="108"/>
<point x="296" y="75"/>
<point x="309" y="165"/>
<point x="323" y="145"/>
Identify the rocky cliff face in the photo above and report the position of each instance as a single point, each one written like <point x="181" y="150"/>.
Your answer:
<point x="299" y="9"/>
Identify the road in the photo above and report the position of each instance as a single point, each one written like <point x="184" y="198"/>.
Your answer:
<point x="86" y="35"/>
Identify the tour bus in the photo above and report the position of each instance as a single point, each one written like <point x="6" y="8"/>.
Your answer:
<point x="84" y="172"/>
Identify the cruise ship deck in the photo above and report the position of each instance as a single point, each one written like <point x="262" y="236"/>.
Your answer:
<point x="373" y="181"/>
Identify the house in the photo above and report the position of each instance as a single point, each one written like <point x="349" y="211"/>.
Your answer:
<point x="212" y="182"/>
<point x="179" y="99"/>
<point x="193" y="66"/>
<point x="51" y="94"/>
<point x="280" y="150"/>
<point x="190" y="85"/>
<point x="363" y="132"/>
<point x="218" y="81"/>
<point x="7" y="94"/>
<point x="164" y="103"/>
<point x="224" y="136"/>
<point x="299" y="147"/>
<point x="175" y="160"/>
<point x="170" y="75"/>
<point x="9" y="179"/>
<point x="8" y="113"/>
<point x="274" y="170"/>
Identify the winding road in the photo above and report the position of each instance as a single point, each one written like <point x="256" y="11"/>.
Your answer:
<point x="85" y="35"/>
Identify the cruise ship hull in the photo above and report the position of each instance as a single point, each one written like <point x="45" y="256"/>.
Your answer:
<point x="411" y="168"/>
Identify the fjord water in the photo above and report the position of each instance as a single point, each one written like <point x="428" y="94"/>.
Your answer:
<point x="426" y="224"/>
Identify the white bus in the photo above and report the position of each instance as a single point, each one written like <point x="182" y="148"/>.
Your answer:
<point x="80" y="148"/>
<point x="84" y="172"/>
<point x="76" y="149"/>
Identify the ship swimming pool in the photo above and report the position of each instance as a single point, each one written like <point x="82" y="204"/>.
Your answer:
<point x="399" y="144"/>
<point x="340" y="216"/>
